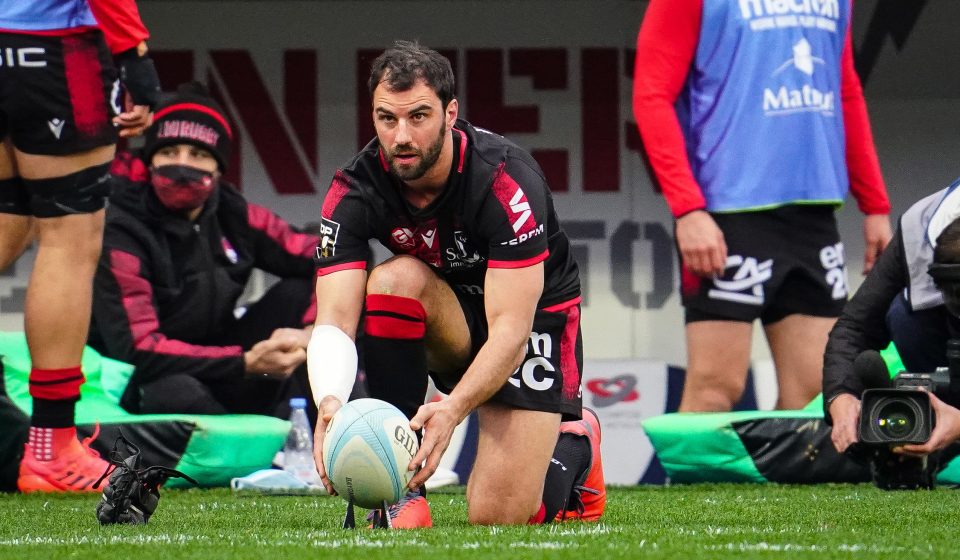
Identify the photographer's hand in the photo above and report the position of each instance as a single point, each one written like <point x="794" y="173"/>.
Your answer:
<point x="946" y="431"/>
<point x="845" y="411"/>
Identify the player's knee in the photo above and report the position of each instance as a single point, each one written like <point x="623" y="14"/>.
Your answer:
<point x="494" y="510"/>
<point x="83" y="192"/>
<point x="708" y="393"/>
<point x="401" y="275"/>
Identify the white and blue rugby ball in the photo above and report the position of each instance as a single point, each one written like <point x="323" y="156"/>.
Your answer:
<point x="366" y="450"/>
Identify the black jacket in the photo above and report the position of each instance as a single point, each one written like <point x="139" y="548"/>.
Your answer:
<point x="863" y="325"/>
<point x="166" y="287"/>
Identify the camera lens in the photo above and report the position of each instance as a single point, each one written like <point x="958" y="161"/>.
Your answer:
<point x="896" y="419"/>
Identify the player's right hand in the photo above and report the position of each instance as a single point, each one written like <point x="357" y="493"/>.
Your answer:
<point x="702" y="245"/>
<point x="326" y="409"/>
<point x="274" y="357"/>
<point x="845" y="411"/>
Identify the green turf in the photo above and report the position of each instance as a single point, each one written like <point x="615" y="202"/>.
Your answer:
<point x="703" y="521"/>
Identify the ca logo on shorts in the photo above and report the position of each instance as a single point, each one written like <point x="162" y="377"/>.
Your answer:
<point x="542" y="348"/>
<point x="746" y="286"/>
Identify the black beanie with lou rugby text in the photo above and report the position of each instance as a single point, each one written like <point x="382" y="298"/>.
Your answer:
<point x="190" y="116"/>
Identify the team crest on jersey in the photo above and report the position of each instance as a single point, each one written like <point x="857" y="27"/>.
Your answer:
<point x="404" y="239"/>
<point x="464" y="254"/>
<point x="329" y="230"/>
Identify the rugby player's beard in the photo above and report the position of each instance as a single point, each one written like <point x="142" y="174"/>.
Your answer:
<point x="427" y="159"/>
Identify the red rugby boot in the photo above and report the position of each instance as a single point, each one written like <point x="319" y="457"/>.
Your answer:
<point x="75" y="468"/>
<point x="411" y="512"/>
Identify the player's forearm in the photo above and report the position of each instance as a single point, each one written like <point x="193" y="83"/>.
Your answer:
<point x="496" y="361"/>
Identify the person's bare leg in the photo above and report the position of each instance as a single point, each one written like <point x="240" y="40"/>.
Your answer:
<point x="718" y="355"/>
<point x="60" y="292"/>
<point x="513" y="453"/>
<point x="57" y="318"/>
<point x="797" y="343"/>
<point x="15" y="229"/>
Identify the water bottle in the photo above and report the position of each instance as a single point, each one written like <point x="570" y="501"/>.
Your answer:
<point x="298" y="449"/>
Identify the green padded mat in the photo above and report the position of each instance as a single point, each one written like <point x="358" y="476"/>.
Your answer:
<point x="785" y="446"/>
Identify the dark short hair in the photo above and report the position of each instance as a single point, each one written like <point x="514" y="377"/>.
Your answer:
<point x="405" y="62"/>
<point x="947" y="250"/>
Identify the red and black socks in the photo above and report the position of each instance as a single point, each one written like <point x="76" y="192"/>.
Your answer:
<point x="395" y="359"/>
<point x="55" y="394"/>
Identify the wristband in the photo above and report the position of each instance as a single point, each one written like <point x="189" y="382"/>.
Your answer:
<point x="331" y="363"/>
<point x="139" y="77"/>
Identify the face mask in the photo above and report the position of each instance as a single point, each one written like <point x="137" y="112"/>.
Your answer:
<point x="180" y="187"/>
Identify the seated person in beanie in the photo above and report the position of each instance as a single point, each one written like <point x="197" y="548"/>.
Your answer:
<point x="179" y="246"/>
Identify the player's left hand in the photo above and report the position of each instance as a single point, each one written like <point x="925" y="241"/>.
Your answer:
<point x="945" y="432"/>
<point x="134" y="120"/>
<point x="438" y="420"/>
<point x="876" y="236"/>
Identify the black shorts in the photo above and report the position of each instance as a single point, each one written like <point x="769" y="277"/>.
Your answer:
<point x="58" y="95"/>
<point x="780" y="262"/>
<point x="548" y="380"/>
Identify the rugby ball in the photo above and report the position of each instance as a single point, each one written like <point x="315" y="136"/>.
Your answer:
<point x="366" y="449"/>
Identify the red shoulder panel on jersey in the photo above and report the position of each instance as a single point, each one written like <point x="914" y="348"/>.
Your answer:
<point x="338" y="189"/>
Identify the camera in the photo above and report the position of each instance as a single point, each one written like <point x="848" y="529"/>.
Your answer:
<point x="898" y="411"/>
<point x="901" y="414"/>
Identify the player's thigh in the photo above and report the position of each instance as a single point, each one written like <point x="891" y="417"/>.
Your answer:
<point x="15" y="222"/>
<point x="8" y="165"/>
<point x="34" y="166"/>
<point x="797" y="343"/>
<point x="718" y="351"/>
<point x="513" y="452"/>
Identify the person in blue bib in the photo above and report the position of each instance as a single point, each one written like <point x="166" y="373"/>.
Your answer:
<point x="754" y="122"/>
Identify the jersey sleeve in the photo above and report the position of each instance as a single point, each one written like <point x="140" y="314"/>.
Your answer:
<point x="120" y="22"/>
<point x="863" y="166"/>
<point x="666" y="46"/>
<point x="344" y="229"/>
<point x="513" y="218"/>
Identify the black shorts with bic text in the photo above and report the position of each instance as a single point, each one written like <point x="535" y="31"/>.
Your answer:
<point x="58" y="94"/>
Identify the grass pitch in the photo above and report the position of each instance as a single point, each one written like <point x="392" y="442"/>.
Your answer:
<point x="709" y="521"/>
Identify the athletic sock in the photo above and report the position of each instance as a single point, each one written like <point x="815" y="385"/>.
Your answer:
<point x="395" y="359"/>
<point x="45" y="443"/>
<point x="571" y="457"/>
<point x="55" y="394"/>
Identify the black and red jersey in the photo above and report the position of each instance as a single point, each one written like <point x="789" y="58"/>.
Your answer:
<point x="495" y="212"/>
<point x="166" y="288"/>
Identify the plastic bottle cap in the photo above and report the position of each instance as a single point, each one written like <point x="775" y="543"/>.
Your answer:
<point x="298" y="402"/>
